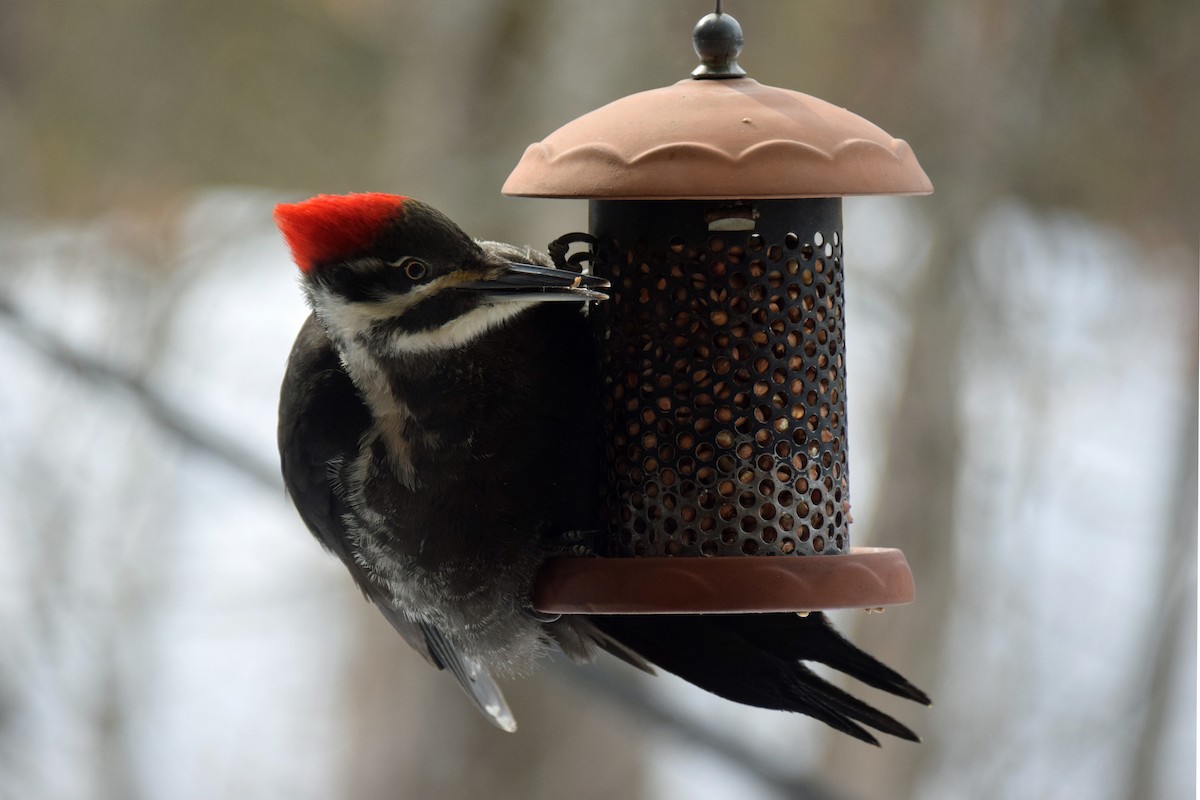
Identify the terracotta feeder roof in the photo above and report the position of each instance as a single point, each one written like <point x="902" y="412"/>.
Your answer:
<point x="717" y="139"/>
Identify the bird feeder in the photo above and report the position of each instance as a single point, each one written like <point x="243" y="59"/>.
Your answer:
<point x="715" y="212"/>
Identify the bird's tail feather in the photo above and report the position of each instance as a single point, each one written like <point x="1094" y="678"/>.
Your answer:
<point x="756" y="659"/>
<point x="820" y="642"/>
<point x="579" y="638"/>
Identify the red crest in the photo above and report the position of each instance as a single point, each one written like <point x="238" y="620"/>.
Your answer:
<point x="332" y="226"/>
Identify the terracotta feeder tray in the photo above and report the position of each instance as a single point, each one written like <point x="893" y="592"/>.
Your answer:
<point x="866" y="577"/>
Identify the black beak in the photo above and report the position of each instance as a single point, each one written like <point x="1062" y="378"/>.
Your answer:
<point x="540" y="284"/>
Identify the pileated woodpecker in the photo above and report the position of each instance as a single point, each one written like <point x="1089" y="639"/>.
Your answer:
<point x="437" y="429"/>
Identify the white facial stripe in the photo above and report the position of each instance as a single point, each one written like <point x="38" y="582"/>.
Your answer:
<point x="460" y="330"/>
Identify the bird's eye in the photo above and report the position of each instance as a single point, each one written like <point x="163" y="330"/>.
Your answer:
<point x="414" y="269"/>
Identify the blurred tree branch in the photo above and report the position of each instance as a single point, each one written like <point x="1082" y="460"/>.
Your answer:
<point x="190" y="431"/>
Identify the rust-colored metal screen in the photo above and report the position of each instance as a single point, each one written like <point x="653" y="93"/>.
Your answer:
<point x="722" y="349"/>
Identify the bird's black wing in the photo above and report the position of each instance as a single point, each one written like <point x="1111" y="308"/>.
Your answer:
<point x="321" y="421"/>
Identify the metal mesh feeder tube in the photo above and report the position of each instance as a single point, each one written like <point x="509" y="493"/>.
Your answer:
<point x="722" y="359"/>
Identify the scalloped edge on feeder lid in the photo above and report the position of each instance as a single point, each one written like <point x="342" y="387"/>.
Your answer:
<point x="866" y="577"/>
<point x="721" y="140"/>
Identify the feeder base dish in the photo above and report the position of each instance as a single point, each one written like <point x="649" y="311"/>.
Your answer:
<point x="866" y="577"/>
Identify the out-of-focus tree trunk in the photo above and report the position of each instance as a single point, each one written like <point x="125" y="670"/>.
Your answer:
<point x="416" y="735"/>
<point x="1176" y="629"/>
<point x="915" y="513"/>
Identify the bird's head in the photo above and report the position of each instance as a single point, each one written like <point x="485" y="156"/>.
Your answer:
<point x="391" y="272"/>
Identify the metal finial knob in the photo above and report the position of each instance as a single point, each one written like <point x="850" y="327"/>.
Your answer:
<point x="717" y="39"/>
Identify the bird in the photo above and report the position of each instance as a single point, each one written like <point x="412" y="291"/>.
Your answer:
<point x="439" y="425"/>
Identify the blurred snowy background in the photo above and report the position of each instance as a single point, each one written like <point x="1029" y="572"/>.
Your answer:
<point x="1023" y="362"/>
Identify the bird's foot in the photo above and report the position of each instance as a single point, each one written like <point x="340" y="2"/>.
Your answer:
<point x="575" y="544"/>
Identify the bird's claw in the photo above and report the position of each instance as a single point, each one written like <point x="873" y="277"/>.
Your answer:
<point x="575" y="544"/>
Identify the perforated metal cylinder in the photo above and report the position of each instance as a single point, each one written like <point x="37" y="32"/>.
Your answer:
<point x="722" y="351"/>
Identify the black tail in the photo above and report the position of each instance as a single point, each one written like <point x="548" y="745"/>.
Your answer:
<point x="756" y="659"/>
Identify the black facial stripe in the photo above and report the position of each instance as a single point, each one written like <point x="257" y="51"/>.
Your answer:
<point x="433" y="311"/>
